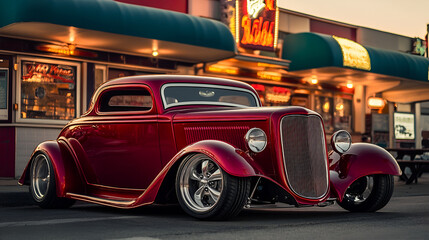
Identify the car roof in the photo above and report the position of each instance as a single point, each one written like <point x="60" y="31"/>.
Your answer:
<point x="155" y="82"/>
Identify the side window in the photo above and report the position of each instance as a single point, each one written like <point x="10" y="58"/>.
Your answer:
<point x="125" y="101"/>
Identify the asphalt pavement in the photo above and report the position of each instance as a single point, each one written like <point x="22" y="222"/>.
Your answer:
<point x="12" y="194"/>
<point x="405" y="217"/>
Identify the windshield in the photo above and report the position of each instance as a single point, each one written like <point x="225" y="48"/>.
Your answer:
<point x="177" y="94"/>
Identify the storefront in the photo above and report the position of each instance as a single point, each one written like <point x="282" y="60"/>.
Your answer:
<point x="289" y="60"/>
<point x="260" y="62"/>
<point x="54" y="54"/>
<point x="388" y="85"/>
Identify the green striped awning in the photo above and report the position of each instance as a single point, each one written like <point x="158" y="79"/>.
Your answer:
<point x="111" y="25"/>
<point x="313" y="51"/>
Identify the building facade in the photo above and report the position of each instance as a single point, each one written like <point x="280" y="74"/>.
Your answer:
<point x="54" y="54"/>
<point x="52" y="60"/>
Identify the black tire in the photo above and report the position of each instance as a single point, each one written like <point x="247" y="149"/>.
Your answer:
<point x="43" y="184"/>
<point x="368" y="194"/>
<point x="206" y="192"/>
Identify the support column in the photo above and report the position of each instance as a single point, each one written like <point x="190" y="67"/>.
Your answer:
<point x="391" y="130"/>
<point x="418" y="127"/>
<point x="359" y="108"/>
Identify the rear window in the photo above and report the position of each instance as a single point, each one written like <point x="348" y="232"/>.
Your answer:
<point x="176" y="94"/>
<point x="126" y="100"/>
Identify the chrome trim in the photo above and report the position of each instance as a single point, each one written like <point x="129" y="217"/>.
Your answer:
<point x="210" y="183"/>
<point x="324" y="154"/>
<point x="103" y="201"/>
<point x="166" y="105"/>
<point x="116" y="188"/>
<point x="41" y="177"/>
<point x="337" y="149"/>
<point x="246" y="138"/>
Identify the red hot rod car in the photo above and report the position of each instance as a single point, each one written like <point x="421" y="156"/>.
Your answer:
<point x="208" y="144"/>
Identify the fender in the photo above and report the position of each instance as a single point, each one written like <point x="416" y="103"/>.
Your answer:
<point x="233" y="161"/>
<point x="360" y="160"/>
<point x="66" y="175"/>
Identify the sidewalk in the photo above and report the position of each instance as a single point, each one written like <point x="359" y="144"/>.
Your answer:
<point x="8" y="182"/>
<point x="421" y="188"/>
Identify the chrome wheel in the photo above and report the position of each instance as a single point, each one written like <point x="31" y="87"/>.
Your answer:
<point x="41" y="175"/>
<point x="201" y="183"/>
<point x="359" y="191"/>
<point x="368" y="193"/>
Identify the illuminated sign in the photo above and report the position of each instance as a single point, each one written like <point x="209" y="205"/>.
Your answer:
<point x="354" y="54"/>
<point x="48" y="73"/>
<point x="404" y="125"/>
<point x="269" y="75"/>
<point x="256" y="24"/>
<point x="278" y="95"/>
<point x="418" y="47"/>
<point x="376" y="103"/>
<point x="222" y="69"/>
<point x="69" y="50"/>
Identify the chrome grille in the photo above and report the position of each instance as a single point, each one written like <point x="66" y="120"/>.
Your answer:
<point x="304" y="155"/>
<point x="230" y="134"/>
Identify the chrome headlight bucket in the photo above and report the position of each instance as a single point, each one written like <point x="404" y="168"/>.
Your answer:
<point x="341" y="141"/>
<point x="256" y="140"/>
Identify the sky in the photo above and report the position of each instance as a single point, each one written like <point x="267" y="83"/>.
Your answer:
<point x="404" y="17"/>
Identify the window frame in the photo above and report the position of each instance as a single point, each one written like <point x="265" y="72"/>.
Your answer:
<point x="78" y="102"/>
<point x="5" y="112"/>
<point x="133" y="87"/>
<point x="167" y="106"/>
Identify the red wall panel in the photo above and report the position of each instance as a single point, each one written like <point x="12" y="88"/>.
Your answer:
<point x="176" y="5"/>
<point x="7" y="151"/>
<point x="332" y="29"/>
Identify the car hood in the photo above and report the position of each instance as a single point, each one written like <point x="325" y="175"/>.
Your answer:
<point x="256" y="113"/>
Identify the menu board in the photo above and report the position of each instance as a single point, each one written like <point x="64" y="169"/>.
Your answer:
<point x="3" y="93"/>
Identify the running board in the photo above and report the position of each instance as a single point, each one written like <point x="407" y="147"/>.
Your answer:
<point x="102" y="201"/>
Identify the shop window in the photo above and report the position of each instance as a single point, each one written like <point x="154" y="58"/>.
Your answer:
<point x="343" y="113"/>
<point x="324" y="106"/>
<point x="4" y="87"/>
<point x="424" y="108"/>
<point x="273" y="95"/>
<point x="100" y="75"/>
<point x="125" y="100"/>
<point x="300" y="100"/>
<point x="117" y="73"/>
<point x="48" y="90"/>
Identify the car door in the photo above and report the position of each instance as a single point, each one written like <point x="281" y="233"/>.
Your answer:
<point x="121" y="143"/>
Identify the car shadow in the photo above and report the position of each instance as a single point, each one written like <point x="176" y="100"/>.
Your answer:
<point x="314" y="214"/>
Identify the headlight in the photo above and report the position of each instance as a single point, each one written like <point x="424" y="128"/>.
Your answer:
<point x="341" y="141"/>
<point x="256" y="140"/>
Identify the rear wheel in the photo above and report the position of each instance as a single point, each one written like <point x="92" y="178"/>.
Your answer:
<point x="205" y="191"/>
<point x="43" y="185"/>
<point x="368" y="194"/>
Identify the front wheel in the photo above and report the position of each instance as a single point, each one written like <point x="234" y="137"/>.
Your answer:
<point x="43" y="185"/>
<point x="205" y="191"/>
<point x="368" y="193"/>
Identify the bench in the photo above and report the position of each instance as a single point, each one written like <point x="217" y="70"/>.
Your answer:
<point x="416" y="166"/>
<point x="406" y="157"/>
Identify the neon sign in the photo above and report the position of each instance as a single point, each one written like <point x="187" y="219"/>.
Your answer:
<point x="254" y="7"/>
<point x="257" y="24"/>
<point x="69" y="50"/>
<point x="47" y="73"/>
